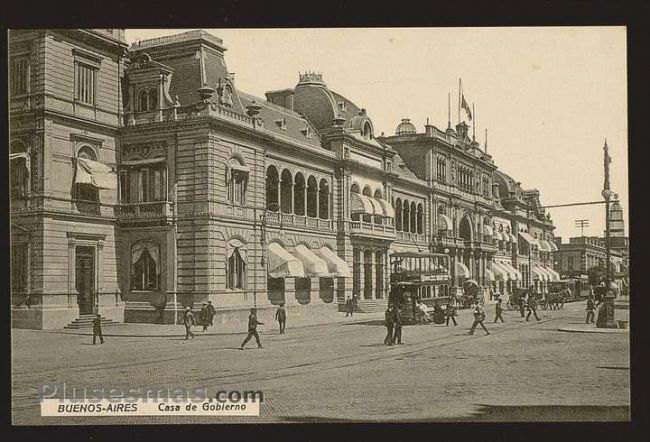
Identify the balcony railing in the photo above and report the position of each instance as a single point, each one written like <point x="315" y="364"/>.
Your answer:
<point x="155" y="209"/>
<point x="371" y="228"/>
<point x="293" y="220"/>
<point x="412" y="237"/>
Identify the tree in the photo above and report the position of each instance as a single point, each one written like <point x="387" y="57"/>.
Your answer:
<point x="596" y="275"/>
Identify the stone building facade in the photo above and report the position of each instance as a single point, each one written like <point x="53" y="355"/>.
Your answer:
<point x="144" y="181"/>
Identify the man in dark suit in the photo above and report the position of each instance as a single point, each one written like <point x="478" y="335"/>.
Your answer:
<point x="397" y="324"/>
<point x="281" y="317"/>
<point x="532" y="307"/>
<point x="479" y="317"/>
<point x="450" y="314"/>
<point x="252" y="329"/>
<point x="498" y="310"/>
<point x="591" y="306"/>
<point x="388" y="315"/>
<point x="189" y="321"/>
<point x="97" y="329"/>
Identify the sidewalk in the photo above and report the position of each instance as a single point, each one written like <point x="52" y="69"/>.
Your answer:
<point x="169" y="330"/>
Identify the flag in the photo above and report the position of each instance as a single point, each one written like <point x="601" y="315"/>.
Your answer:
<point x="465" y="106"/>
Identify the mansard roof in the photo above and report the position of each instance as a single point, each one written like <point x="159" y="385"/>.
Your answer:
<point x="282" y="121"/>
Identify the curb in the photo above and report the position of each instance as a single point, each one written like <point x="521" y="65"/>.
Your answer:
<point x="594" y="330"/>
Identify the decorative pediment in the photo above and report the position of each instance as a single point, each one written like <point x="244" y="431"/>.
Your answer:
<point x="144" y="151"/>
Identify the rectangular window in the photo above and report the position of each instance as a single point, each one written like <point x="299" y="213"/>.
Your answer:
<point x="85" y="83"/>
<point x="124" y="187"/>
<point x="156" y="186"/>
<point x="19" y="182"/>
<point x="570" y="263"/>
<point x="144" y="186"/>
<point x="19" y="76"/>
<point x="19" y="267"/>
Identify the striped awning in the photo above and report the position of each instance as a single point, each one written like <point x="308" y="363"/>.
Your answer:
<point x="538" y="273"/>
<point x="337" y="266"/>
<point x="367" y="205"/>
<point x="283" y="264"/>
<point x="386" y="207"/>
<point x="554" y="274"/>
<point x="313" y="265"/>
<point x="444" y="223"/>
<point x="553" y="246"/>
<point x="544" y="246"/>
<point x="529" y="239"/>
<point x="500" y="272"/>
<point x="513" y="273"/>
<point x="462" y="270"/>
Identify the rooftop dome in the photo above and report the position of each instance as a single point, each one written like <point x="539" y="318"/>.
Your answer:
<point x="405" y="128"/>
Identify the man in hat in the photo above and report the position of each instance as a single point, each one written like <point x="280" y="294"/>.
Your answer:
<point x="97" y="329"/>
<point x="281" y="317"/>
<point x="252" y="329"/>
<point x="189" y="321"/>
<point x="397" y="326"/>
<point x="211" y="311"/>
<point x="532" y="307"/>
<point x="479" y="317"/>
<point x="388" y="316"/>
<point x="591" y="307"/>
<point x="498" y="310"/>
<point x="203" y="315"/>
<point x="450" y="313"/>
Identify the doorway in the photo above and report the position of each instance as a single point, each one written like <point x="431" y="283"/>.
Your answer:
<point x="85" y="279"/>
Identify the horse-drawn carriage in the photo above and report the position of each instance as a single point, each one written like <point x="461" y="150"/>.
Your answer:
<point x="471" y="294"/>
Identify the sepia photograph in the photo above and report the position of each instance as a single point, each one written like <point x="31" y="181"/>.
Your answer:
<point x="319" y="225"/>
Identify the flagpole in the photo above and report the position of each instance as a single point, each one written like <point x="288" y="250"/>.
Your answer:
<point x="486" y="140"/>
<point x="448" y="110"/>
<point x="460" y="90"/>
<point x="473" y="123"/>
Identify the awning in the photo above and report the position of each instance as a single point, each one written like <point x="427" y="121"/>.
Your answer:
<point x="444" y="223"/>
<point x="462" y="270"/>
<point x="556" y="275"/>
<point x="548" y="274"/>
<point x="386" y="208"/>
<point x="336" y="266"/>
<point x="544" y="246"/>
<point x="488" y="231"/>
<point x="236" y="244"/>
<point x="313" y="265"/>
<point x="498" y="236"/>
<point x="397" y="249"/>
<point x="514" y="274"/>
<point x="537" y="271"/>
<point x="96" y="174"/>
<point x="529" y="239"/>
<point x="513" y="237"/>
<point x="553" y="246"/>
<point x="362" y="204"/>
<point x="21" y="155"/>
<point x="283" y="264"/>
<point x="489" y="276"/>
<point x="500" y="272"/>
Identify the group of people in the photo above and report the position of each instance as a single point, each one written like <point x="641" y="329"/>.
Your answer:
<point x="350" y="305"/>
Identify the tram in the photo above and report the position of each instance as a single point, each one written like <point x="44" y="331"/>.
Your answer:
<point x="414" y="277"/>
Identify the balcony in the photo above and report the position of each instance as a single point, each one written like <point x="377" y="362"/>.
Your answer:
<point x="300" y="221"/>
<point x="412" y="237"/>
<point x="372" y="230"/>
<point x="148" y="210"/>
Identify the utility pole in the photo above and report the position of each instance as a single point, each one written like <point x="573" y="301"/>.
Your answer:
<point x="581" y="224"/>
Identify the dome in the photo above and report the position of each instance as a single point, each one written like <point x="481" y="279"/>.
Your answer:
<point x="405" y="128"/>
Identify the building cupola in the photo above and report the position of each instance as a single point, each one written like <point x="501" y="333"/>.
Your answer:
<point x="405" y="128"/>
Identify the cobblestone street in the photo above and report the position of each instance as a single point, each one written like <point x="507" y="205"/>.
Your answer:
<point x="343" y="372"/>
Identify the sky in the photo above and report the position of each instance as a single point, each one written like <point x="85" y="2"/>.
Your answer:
<point x="548" y="96"/>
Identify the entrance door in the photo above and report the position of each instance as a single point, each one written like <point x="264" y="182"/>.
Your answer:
<point x="85" y="279"/>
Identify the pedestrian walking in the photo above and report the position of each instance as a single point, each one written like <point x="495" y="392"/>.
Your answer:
<point x="479" y="317"/>
<point x="532" y="308"/>
<point x="252" y="329"/>
<point x="450" y="313"/>
<point x="498" y="310"/>
<point x="209" y="315"/>
<point x="188" y="321"/>
<point x="388" y="315"/>
<point x="203" y="315"/>
<point x="281" y="317"/>
<point x="97" y="329"/>
<point x="397" y="326"/>
<point x="591" y="306"/>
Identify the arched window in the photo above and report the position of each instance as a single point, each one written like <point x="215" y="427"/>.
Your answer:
<point x="286" y="192"/>
<point x="324" y="200"/>
<point x="272" y="189"/>
<point x="236" y="267"/>
<point x="86" y="195"/>
<point x="355" y="189"/>
<point x="413" y="217"/>
<point x="367" y="192"/>
<point x="299" y="194"/>
<point x="398" y="215"/>
<point x="237" y="181"/>
<point x="406" y="216"/>
<point x="19" y="170"/>
<point x="367" y="131"/>
<point x="312" y="192"/>
<point x="153" y="99"/>
<point x="145" y="265"/>
<point x="144" y="100"/>
<point x="420" y="218"/>
<point x="148" y="99"/>
<point x="378" y="218"/>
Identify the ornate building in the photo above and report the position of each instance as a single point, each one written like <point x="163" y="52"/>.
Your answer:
<point x="144" y="181"/>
